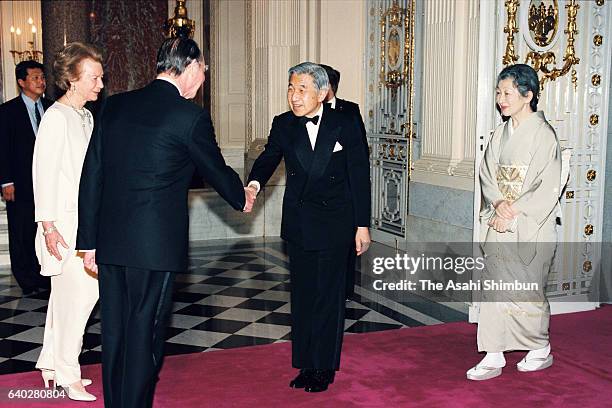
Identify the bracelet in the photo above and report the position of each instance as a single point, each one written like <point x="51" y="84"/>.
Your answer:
<point x="48" y="231"/>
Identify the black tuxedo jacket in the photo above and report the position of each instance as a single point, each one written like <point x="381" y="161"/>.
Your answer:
<point x="327" y="194"/>
<point x="133" y="191"/>
<point x="17" y="147"/>
<point x="351" y="108"/>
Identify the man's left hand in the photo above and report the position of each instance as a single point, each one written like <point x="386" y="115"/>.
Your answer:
<point x="362" y="240"/>
<point x="89" y="260"/>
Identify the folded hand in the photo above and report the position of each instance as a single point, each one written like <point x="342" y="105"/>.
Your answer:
<point x="503" y="208"/>
<point x="499" y="224"/>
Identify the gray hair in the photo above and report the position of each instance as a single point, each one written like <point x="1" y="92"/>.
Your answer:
<point x="175" y="54"/>
<point x="525" y="79"/>
<point x="318" y="74"/>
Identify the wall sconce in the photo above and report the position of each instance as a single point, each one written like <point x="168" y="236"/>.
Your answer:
<point x="30" y="52"/>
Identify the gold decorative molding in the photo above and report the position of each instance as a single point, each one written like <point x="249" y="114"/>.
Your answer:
<point x="510" y="29"/>
<point x="597" y="40"/>
<point x="543" y="23"/>
<point x="596" y="79"/>
<point x="594" y="119"/>
<point x="587" y="266"/>
<point x="588" y="230"/>
<point x="393" y="57"/>
<point x="565" y="286"/>
<point x="411" y="123"/>
<point x="591" y="174"/>
<point x="599" y="2"/>
<point x="569" y="195"/>
<point x="541" y="61"/>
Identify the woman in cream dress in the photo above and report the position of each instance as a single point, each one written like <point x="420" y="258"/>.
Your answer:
<point x="61" y="144"/>
<point x="520" y="180"/>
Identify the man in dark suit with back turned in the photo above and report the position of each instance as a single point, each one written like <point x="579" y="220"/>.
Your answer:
<point x="19" y="119"/>
<point x="349" y="108"/>
<point x="326" y="212"/>
<point x="133" y="213"/>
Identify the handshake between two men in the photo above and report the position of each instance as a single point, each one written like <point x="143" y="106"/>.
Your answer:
<point x="250" y="195"/>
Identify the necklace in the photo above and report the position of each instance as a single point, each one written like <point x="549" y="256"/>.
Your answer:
<point x="83" y="113"/>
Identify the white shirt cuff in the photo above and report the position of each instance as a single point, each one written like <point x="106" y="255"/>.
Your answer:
<point x="255" y="184"/>
<point x="7" y="184"/>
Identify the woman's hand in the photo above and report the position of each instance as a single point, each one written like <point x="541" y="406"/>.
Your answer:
<point x="52" y="237"/>
<point x="503" y="209"/>
<point x="499" y="224"/>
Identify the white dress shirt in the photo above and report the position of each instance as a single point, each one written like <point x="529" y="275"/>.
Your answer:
<point x="312" y="130"/>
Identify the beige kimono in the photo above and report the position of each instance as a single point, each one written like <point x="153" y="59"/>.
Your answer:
<point x="522" y="165"/>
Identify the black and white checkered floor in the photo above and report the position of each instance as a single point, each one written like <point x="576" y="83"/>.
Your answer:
<point x="236" y="294"/>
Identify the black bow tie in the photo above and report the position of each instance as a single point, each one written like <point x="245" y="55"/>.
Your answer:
<point x="304" y="120"/>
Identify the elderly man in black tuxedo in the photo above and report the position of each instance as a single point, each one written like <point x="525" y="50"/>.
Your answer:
<point x="19" y="119"/>
<point x="349" y="108"/>
<point x="133" y="213"/>
<point x="326" y="213"/>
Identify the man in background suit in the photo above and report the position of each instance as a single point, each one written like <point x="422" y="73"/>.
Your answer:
<point x="349" y="108"/>
<point x="326" y="213"/>
<point x="19" y="119"/>
<point x="133" y="212"/>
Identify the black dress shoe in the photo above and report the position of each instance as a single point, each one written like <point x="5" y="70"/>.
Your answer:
<point x="320" y="380"/>
<point x="302" y="378"/>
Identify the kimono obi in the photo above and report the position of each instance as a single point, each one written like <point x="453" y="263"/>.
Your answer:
<point x="510" y="179"/>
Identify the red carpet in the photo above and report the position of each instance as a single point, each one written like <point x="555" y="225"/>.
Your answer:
<point x="415" y="367"/>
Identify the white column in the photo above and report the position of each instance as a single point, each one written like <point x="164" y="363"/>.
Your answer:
<point x="343" y="40"/>
<point x="276" y="34"/>
<point x="230" y="75"/>
<point x="450" y="67"/>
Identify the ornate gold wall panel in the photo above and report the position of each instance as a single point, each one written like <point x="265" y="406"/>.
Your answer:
<point x="540" y="22"/>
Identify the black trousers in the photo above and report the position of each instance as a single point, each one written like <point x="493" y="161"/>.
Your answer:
<point x="350" y="272"/>
<point x="135" y="306"/>
<point x="22" y="233"/>
<point x="317" y="306"/>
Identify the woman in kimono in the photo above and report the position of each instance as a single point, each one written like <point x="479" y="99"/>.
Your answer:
<point x="520" y="181"/>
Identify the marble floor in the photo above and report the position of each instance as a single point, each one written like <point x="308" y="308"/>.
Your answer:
<point x="235" y="294"/>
